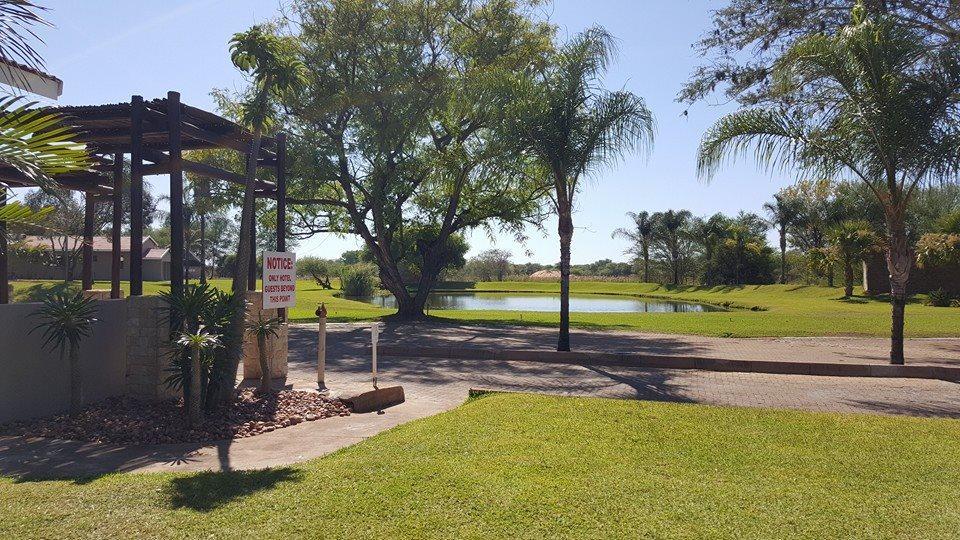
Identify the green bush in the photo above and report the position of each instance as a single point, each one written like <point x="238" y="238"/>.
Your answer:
<point x="357" y="281"/>
<point x="939" y="298"/>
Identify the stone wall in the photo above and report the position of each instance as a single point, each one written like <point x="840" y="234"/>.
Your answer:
<point x="148" y="348"/>
<point x="277" y="348"/>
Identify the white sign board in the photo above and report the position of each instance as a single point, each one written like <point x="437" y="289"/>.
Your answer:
<point x="279" y="279"/>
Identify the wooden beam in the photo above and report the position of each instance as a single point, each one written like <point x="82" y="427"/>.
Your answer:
<point x="136" y="196"/>
<point x="86" y="275"/>
<point x="162" y="166"/>
<point x="176" y="194"/>
<point x="281" y="164"/>
<point x="115" y="248"/>
<point x="4" y="275"/>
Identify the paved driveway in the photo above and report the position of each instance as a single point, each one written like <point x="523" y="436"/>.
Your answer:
<point x="445" y="382"/>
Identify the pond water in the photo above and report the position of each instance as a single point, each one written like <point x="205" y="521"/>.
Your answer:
<point x="588" y="303"/>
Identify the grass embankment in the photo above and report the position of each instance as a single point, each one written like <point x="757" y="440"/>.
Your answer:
<point x="506" y="466"/>
<point x="782" y="310"/>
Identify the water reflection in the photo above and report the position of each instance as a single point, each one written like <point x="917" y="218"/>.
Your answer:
<point x="548" y="303"/>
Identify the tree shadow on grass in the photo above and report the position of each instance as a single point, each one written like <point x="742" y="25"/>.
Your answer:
<point x="40" y="291"/>
<point x="208" y="491"/>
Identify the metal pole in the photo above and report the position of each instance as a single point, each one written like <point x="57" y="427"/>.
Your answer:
<point x="322" y="349"/>
<point x="374" y="338"/>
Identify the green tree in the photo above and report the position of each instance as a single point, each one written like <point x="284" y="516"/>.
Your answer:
<point x="640" y="237"/>
<point x="400" y="128"/>
<point x="575" y="127"/>
<point x="746" y="38"/>
<point x="673" y="241"/>
<point x="783" y="213"/>
<point x="275" y="73"/>
<point x="872" y="101"/>
<point x="851" y="240"/>
<point x="196" y="345"/>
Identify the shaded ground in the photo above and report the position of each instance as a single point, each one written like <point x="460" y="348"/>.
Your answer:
<point x="436" y="385"/>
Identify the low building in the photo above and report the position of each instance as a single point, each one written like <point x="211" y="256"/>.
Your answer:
<point x="23" y="263"/>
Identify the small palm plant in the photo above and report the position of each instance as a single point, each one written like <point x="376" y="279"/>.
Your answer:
<point x="852" y="240"/>
<point x="263" y="329"/>
<point x="64" y="321"/>
<point x="198" y="344"/>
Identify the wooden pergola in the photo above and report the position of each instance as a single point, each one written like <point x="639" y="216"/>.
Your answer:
<point x="154" y="134"/>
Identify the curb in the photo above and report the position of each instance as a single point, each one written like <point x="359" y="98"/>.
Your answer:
<point x="590" y="358"/>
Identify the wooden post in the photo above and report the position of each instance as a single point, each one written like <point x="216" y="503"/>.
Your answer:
<point x="136" y="196"/>
<point x="89" y="205"/>
<point x="252" y="273"/>
<point x="282" y="202"/>
<point x="4" y="276"/>
<point x="176" y="193"/>
<point x="115" y="248"/>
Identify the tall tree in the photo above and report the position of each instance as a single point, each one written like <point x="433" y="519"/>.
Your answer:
<point x="782" y="213"/>
<point x="873" y="101"/>
<point x="575" y="127"/>
<point x="851" y="240"/>
<point x="748" y="36"/>
<point x="673" y="241"/>
<point x="274" y="73"/>
<point x="399" y="134"/>
<point x="640" y="237"/>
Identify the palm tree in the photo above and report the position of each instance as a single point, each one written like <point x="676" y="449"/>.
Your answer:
<point x="574" y="127"/>
<point x="275" y="72"/>
<point x="198" y="344"/>
<point x="851" y="240"/>
<point x="262" y="329"/>
<point x="64" y="321"/>
<point x="671" y="236"/>
<point x="640" y="237"/>
<point x="873" y="102"/>
<point x="782" y="213"/>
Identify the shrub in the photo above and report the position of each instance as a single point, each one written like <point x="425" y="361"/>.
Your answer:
<point x="940" y="298"/>
<point x="357" y="281"/>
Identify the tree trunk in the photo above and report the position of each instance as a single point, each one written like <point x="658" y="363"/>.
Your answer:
<point x="646" y="263"/>
<point x="203" y="249"/>
<point x="830" y="275"/>
<point x="565" y="229"/>
<point x="847" y="277"/>
<point x="899" y="262"/>
<point x="264" y="365"/>
<point x="193" y="404"/>
<point x="76" y="380"/>
<point x="783" y="256"/>
<point x="241" y="267"/>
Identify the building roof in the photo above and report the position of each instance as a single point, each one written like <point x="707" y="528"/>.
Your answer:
<point x="101" y="244"/>
<point x="30" y="79"/>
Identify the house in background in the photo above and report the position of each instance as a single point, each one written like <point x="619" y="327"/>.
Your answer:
<point x="23" y="262"/>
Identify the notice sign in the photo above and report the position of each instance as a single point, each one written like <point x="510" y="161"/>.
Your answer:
<point x="279" y="279"/>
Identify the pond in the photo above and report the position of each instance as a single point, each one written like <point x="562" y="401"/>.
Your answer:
<point x="585" y="303"/>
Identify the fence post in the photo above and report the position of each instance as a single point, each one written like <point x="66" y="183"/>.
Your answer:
<point x="322" y="348"/>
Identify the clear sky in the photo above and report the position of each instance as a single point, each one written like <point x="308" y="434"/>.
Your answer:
<point x="107" y="50"/>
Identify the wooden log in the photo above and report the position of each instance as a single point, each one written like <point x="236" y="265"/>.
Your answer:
<point x="136" y="196"/>
<point x="86" y="274"/>
<point x="117" y="222"/>
<point x="4" y="275"/>
<point x="176" y="194"/>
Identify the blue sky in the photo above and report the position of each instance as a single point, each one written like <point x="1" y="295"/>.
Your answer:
<point x="106" y="51"/>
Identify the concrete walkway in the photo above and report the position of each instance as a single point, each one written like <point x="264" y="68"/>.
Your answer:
<point x="434" y="385"/>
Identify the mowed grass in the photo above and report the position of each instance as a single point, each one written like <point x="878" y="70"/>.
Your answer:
<point x="757" y="310"/>
<point x="521" y="466"/>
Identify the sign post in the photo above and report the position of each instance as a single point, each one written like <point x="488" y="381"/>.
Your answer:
<point x="279" y="279"/>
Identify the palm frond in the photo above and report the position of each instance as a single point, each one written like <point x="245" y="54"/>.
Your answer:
<point x="777" y="139"/>
<point x="37" y="142"/>
<point x="18" y="18"/>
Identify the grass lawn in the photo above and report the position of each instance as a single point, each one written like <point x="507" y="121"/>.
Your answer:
<point x="520" y="466"/>
<point x="783" y="310"/>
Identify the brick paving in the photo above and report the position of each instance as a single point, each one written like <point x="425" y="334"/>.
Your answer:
<point x="445" y="382"/>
